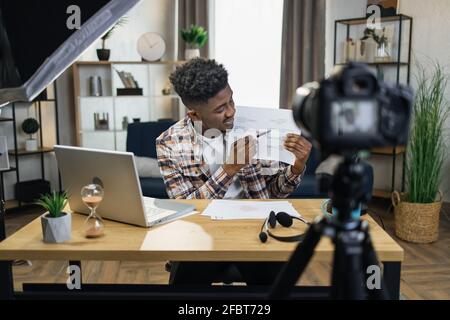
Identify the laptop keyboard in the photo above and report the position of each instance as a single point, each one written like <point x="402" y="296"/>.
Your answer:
<point x="151" y="211"/>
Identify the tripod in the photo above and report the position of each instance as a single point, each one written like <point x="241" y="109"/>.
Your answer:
<point x="353" y="253"/>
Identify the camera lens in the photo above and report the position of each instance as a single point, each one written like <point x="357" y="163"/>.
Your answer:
<point x="360" y="86"/>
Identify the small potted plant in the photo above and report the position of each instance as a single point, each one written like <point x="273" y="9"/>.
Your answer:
<point x="30" y="126"/>
<point x="103" y="53"/>
<point x="56" y="224"/>
<point x="195" y="38"/>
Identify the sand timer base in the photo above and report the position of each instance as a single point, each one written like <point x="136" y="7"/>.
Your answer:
<point x="93" y="227"/>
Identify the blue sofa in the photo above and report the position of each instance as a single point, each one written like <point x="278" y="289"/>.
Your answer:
<point x="141" y="141"/>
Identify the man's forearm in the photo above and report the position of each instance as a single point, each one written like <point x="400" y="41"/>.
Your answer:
<point x="285" y="182"/>
<point x="214" y="188"/>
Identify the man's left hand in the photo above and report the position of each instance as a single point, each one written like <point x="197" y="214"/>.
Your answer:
<point x="301" y="148"/>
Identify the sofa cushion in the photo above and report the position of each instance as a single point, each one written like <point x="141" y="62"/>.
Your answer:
<point x="141" y="137"/>
<point x="308" y="188"/>
<point x="147" y="167"/>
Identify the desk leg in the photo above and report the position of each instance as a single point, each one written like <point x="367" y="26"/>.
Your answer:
<point x="6" y="281"/>
<point x="391" y="275"/>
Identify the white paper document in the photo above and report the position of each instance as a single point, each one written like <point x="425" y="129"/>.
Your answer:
<point x="279" y="122"/>
<point x="236" y="210"/>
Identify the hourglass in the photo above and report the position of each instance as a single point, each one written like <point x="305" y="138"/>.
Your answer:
<point x="92" y="195"/>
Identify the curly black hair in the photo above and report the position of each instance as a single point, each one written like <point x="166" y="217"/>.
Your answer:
<point x="199" y="80"/>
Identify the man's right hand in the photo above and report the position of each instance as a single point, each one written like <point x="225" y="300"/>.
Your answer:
<point x="241" y="154"/>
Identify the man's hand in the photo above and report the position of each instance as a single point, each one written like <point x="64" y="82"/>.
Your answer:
<point x="241" y="154"/>
<point x="301" y="148"/>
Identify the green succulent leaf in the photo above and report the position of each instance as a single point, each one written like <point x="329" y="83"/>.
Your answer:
<point x="195" y="36"/>
<point x="54" y="203"/>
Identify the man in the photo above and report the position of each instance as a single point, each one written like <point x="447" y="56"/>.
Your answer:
<point x="191" y="173"/>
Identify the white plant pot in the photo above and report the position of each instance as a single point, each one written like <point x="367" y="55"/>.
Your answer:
<point x="31" y="145"/>
<point x="56" y="230"/>
<point x="191" y="54"/>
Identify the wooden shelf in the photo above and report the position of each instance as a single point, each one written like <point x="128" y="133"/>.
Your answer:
<point x="378" y="193"/>
<point x="168" y="62"/>
<point x="388" y="151"/>
<point x="23" y="152"/>
<point x="11" y="204"/>
<point x="388" y="63"/>
<point x="363" y="20"/>
<point x="9" y="170"/>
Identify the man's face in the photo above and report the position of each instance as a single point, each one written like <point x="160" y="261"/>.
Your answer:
<point x="217" y="113"/>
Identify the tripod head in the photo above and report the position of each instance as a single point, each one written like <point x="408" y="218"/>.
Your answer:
<point x="348" y="187"/>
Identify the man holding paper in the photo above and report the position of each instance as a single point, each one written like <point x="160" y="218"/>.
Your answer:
<point x="195" y="163"/>
<point x="192" y="154"/>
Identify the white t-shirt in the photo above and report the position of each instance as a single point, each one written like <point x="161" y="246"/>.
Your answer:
<point x="215" y="157"/>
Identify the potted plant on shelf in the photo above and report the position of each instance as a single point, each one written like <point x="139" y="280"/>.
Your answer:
<point x="382" y="53"/>
<point x="417" y="211"/>
<point x="56" y="224"/>
<point x="195" y="38"/>
<point x="103" y="53"/>
<point x="30" y="126"/>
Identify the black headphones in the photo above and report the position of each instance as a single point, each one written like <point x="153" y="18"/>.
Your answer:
<point x="286" y="221"/>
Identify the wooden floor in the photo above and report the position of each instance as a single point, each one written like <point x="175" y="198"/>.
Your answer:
<point x="425" y="271"/>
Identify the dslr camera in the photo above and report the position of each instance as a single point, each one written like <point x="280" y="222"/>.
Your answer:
<point x="352" y="111"/>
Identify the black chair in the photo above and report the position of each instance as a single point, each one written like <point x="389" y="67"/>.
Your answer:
<point x="141" y="140"/>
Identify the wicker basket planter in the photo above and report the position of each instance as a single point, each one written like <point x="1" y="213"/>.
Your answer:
<point x="416" y="222"/>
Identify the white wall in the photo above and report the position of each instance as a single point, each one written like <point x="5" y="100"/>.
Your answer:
<point x="430" y="40"/>
<point x="147" y="16"/>
<point x="339" y="9"/>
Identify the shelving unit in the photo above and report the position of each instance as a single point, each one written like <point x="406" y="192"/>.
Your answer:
<point x="152" y="105"/>
<point x="397" y="70"/>
<point x="16" y="153"/>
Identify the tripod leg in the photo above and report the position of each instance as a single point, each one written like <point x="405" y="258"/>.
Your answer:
<point x="348" y="280"/>
<point x="298" y="262"/>
<point x="370" y="259"/>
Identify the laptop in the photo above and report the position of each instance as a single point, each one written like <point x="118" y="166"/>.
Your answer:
<point x="116" y="173"/>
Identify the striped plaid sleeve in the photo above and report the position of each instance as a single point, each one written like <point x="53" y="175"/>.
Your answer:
<point x="284" y="182"/>
<point x="179" y="186"/>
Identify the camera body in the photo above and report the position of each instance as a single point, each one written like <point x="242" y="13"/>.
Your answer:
<point x="352" y="111"/>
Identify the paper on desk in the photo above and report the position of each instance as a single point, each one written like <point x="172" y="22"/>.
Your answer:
<point x="236" y="210"/>
<point x="280" y="122"/>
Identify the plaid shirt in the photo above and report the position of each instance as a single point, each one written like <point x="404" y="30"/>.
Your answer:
<point x="187" y="176"/>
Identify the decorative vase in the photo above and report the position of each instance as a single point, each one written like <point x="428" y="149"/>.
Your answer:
<point x="191" y="54"/>
<point x="382" y="53"/>
<point x="56" y="230"/>
<point x="416" y="222"/>
<point x="31" y="145"/>
<point x="365" y="50"/>
<point x="103" y="54"/>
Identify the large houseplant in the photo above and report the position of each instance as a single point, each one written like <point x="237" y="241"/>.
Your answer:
<point x="103" y="53"/>
<point x="195" y="38"/>
<point x="417" y="216"/>
<point x="56" y="224"/>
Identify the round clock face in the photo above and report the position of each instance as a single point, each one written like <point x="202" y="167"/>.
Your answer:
<point x="151" y="46"/>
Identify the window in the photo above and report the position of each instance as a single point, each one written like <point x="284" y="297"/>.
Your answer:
<point x="247" y="40"/>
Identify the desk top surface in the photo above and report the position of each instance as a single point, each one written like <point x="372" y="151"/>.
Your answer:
<point x="193" y="238"/>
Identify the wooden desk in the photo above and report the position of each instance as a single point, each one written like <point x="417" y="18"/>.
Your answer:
<point x="194" y="238"/>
